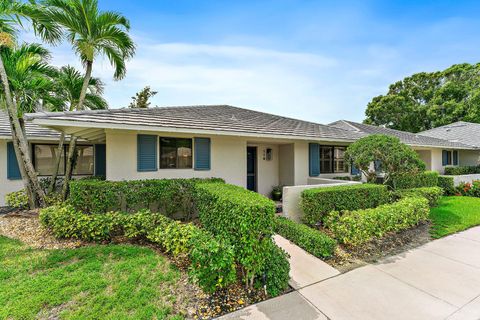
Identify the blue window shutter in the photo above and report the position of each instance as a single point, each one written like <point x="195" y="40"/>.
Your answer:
<point x="100" y="160"/>
<point x="354" y="170"/>
<point x="314" y="159"/>
<point x="146" y="152"/>
<point x="202" y="153"/>
<point x="444" y="157"/>
<point x="455" y="158"/>
<point x="13" y="171"/>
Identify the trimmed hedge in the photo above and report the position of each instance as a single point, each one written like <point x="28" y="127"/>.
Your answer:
<point x="447" y="184"/>
<point x="432" y="194"/>
<point x="244" y="219"/>
<point x="276" y="269"/>
<point x="358" y="227"/>
<point x="17" y="199"/>
<point x="169" y="196"/>
<point x="311" y="240"/>
<point x="457" y="171"/>
<point x="211" y="260"/>
<point x="318" y="202"/>
<point x="419" y="180"/>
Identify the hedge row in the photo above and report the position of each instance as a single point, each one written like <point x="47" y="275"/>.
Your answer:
<point x="169" y="196"/>
<point x="419" y="180"/>
<point x="358" y="227"/>
<point x="211" y="261"/>
<point x="432" y="194"/>
<point x="311" y="240"/>
<point x="447" y="184"/>
<point x="318" y="202"/>
<point x="244" y="219"/>
<point x="456" y="171"/>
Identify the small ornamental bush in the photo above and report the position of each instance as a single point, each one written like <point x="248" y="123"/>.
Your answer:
<point x="318" y="202"/>
<point x="468" y="189"/>
<point x="418" y="180"/>
<point x="432" y="194"/>
<point x="447" y="184"/>
<point x="17" y="199"/>
<point x="313" y="241"/>
<point x="457" y="171"/>
<point x="275" y="270"/>
<point x="354" y="228"/>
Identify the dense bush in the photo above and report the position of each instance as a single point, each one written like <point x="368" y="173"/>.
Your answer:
<point x="468" y="189"/>
<point x="456" y="171"/>
<point x="275" y="270"/>
<point x="317" y="202"/>
<point x="17" y="199"/>
<point x="447" y="184"/>
<point x="419" y="180"/>
<point x="243" y="218"/>
<point x="360" y="226"/>
<point x="169" y="196"/>
<point x="432" y="194"/>
<point x="311" y="240"/>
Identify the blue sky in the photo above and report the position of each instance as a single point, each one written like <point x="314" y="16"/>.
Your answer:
<point x="314" y="60"/>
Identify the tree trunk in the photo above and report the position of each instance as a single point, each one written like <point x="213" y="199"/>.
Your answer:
<point x="73" y="139"/>
<point x="56" y="167"/>
<point x="22" y="142"/>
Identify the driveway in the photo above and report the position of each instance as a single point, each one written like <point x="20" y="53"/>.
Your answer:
<point x="440" y="280"/>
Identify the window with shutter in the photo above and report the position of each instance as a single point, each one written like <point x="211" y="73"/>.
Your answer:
<point x="13" y="171"/>
<point x="202" y="153"/>
<point x="146" y="152"/>
<point x="314" y="159"/>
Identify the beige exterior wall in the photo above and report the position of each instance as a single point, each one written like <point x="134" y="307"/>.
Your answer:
<point x="426" y="156"/>
<point x="287" y="164"/>
<point x="6" y="186"/>
<point x="469" y="157"/>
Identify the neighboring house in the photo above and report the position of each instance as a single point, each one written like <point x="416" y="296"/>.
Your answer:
<point x="245" y="147"/>
<point x="437" y="152"/>
<point x="43" y="146"/>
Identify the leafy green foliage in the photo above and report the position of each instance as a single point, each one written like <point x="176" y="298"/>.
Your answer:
<point x="276" y="270"/>
<point x="429" y="99"/>
<point x="141" y="99"/>
<point x="454" y="214"/>
<point x="468" y="189"/>
<point x="400" y="158"/>
<point x="17" y="199"/>
<point x="432" y="194"/>
<point x="317" y="202"/>
<point x="447" y="184"/>
<point x="313" y="241"/>
<point x="456" y="171"/>
<point x="358" y="227"/>
<point x="419" y="180"/>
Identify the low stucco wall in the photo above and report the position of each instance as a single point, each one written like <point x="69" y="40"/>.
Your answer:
<point x="292" y="195"/>
<point x="465" y="178"/>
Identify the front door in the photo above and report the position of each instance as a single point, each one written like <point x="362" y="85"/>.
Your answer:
<point x="252" y="168"/>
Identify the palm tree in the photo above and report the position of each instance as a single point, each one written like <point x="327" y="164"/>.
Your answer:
<point x="12" y="14"/>
<point x="91" y="33"/>
<point x="68" y="83"/>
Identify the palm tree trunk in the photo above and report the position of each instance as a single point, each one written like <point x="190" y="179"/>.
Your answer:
<point x="56" y="166"/>
<point x="73" y="139"/>
<point x="38" y="196"/>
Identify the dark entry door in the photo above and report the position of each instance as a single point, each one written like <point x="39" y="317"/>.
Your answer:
<point x="252" y="168"/>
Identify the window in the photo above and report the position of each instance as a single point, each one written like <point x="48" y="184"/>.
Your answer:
<point x="175" y="153"/>
<point x="332" y="160"/>
<point x="339" y="160"/>
<point x="326" y="157"/>
<point x="44" y="156"/>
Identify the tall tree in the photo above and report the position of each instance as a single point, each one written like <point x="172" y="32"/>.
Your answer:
<point x="68" y="84"/>
<point x="12" y="15"/>
<point x="91" y="33"/>
<point x="141" y="99"/>
<point x="428" y="100"/>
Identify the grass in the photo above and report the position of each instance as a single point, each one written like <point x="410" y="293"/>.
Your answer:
<point x="454" y="214"/>
<point x="94" y="282"/>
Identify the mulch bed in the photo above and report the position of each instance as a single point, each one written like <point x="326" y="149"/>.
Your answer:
<point x="192" y="301"/>
<point x="348" y="258"/>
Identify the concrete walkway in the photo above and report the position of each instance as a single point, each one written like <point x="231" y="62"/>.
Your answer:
<point x="440" y="280"/>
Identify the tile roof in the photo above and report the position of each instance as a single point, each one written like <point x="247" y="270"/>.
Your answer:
<point x="211" y="117"/>
<point x="33" y="130"/>
<point x="461" y="131"/>
<point x="406" y="137"/>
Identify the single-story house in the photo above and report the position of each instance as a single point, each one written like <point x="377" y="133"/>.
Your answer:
<point x="248" y="148"/>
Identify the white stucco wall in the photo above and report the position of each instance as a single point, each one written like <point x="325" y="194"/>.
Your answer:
<point x="267" y="170"/>
<point x="301" y="162"/>
<point x="469" y="157"/>
<point x="6" y="185"/>
<point x="286" y="164"/>
<point x="426" y="156"/>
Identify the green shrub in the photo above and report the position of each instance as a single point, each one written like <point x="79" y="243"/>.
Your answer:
<point x="17" y="199"/>
<point x="447" y="184"/>
<point x="432" y="194"/>
<point x="313" y="241"/>
<point x="456" y="171"/>
<point x="243" y="218"/>
<point x="358" y="227"/>
<point x="276" y="270"/>
<point x="317" y="202"/>
<point x="419" y="180"/>
<point x="173" y="236"/>
<point x="468" y="189"/>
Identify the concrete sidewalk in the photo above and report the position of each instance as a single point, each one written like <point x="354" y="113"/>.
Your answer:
<point x="440" y="280"/>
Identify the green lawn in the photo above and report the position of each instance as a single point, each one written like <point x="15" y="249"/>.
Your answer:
<point x="454" y="214"/>
<point x="94" y="282"/>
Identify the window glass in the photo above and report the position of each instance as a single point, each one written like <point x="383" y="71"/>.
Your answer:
<point x="175" y="153"/>
<point x="339" y="160"/>
<point x="84" y="160"/>
<point x="326" y="159"/>
<point x="44" y="158"/>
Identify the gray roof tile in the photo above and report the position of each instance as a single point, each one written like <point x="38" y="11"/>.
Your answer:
<point x="33" y="130"/>
<point x="461" y="131"/>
